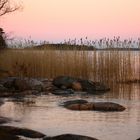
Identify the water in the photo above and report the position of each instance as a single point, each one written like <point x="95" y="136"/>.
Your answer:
<point x="45" y="114"/>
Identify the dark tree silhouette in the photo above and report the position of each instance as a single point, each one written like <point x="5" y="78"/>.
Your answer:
<point x="2" y="39"/>
<point x="8" y="6"/>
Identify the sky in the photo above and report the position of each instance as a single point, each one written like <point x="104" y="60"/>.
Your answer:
<point x="56" y="20"/>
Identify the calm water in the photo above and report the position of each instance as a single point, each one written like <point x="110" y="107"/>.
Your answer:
<point x="45" y="115"/>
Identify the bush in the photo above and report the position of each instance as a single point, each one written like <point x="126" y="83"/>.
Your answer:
<point x="2" y="39"/>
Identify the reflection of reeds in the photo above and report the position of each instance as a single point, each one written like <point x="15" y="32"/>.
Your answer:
<point x="107" y="65"/>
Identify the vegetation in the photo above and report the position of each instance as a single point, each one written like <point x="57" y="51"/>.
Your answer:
<point x="108" y="65"/>
<point x="2" y="39"/>
<point x="6" y="7"/>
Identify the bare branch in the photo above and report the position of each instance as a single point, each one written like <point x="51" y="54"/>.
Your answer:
<point x="7" y="7"/>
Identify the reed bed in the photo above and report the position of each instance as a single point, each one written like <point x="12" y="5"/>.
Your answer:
<point x="109" y="64"/>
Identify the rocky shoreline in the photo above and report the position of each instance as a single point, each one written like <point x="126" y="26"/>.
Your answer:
<point x="16" y="87"/>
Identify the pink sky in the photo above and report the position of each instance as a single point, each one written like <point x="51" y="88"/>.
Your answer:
<point x="56" y="20"/>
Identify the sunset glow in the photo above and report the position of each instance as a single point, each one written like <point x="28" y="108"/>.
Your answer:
<point x="56" y="20"/>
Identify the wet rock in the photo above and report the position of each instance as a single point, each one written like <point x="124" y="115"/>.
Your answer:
<point x="107" y="106"/>
<point x="64" y="81"/>
<point x="6" y="136"/>
<point x="2" y="88"/>
<point x="21" y="84"/>
<point x="79" y="101"/>
<point x="92" y="87"/>
<point x="6" y="94"/>
<point x="4" y="120"/>
<point x="15" y="131"/>
<point x="96" y="106"/>
<point x="35" y="84"/>
<point x="77" y="84"/>
<point x="1" y="102"/>
<point x="8" y="82"/>
<point x="69" y="137"/>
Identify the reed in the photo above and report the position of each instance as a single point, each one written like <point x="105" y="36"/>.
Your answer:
<point x="114" y="62"/>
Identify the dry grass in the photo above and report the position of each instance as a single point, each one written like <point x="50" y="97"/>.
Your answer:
<point x="109" y="66"/>
<point x="96" y="65"/>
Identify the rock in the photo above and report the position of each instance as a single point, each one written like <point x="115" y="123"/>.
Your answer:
<point x="63" y="81"/>
<point x="6" y="94"/>
<point x="21" y="84"/>
<point x="93" y="87"/>
<point x="77" y="84"/>
<point x="1" y="102"/>
<point x="6" y="136"/>
<point x="2" y="88"/>
<point x="8" y="82"/>
<point x="107" y="106"/>
<point x="4" y="120"/>
<point x="96" y="106"/>
<point x="15" y="131"/>
<point x="79" y="101"/>
<point x="80" y="107"/>
<point x="69" y="137"/>
<point x="35" y="84"/>
<point x="63" y="92"/>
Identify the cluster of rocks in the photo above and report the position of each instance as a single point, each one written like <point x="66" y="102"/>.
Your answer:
<point x="61" y="85"/>
<point x="16" y="86"/>
<point x="67" y="84"/>
<point x="16" y="133"/>
<point x="81" y="105"/>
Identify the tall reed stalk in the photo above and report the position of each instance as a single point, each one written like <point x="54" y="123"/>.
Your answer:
<point x="110" y="64"/>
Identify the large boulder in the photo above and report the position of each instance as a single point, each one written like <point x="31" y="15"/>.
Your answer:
<point x="93" y="87"/>
<point x="15" y="131"/>
<point x="95" y="106"/>
<point x="63" y="92"/>
<point x="21" y="84"/>
<point x="77" y="84"/>
<point x="5" y="136"/>
<point x="69" y="137"/>
<point x="64" y="81"/>
<point x="78" y="101"/>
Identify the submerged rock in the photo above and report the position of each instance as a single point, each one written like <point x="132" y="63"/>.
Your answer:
<point x="15" y="131"/>
<point x="95" y="106"/>
<point x="69" y="137"/>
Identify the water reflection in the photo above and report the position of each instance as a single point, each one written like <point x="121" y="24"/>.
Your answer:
<point x="44" y="114"/>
